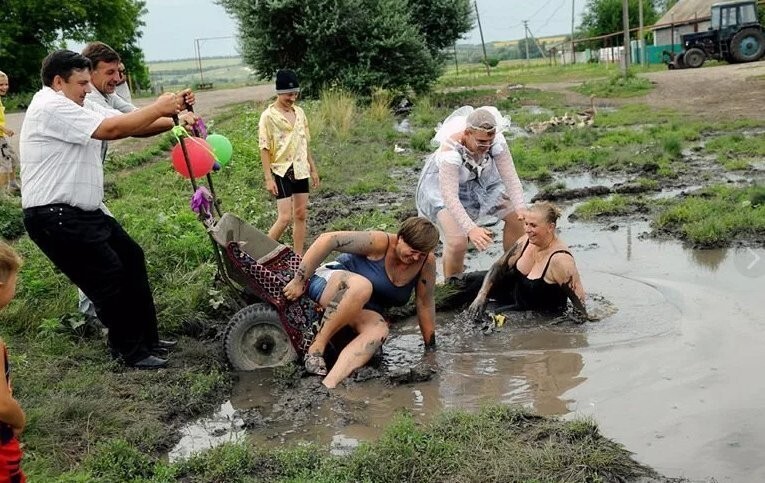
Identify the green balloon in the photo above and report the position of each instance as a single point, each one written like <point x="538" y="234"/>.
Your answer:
<point x="221" y="147"/>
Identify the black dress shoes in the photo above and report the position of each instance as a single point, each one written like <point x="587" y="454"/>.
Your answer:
<point x="150" y="362"/>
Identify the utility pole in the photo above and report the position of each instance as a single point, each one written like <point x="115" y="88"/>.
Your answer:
<point x="199" y="60"/>
<point x="573" y="48"/>
<point x="539" y="47"/>
<point x="456" y="65"/>
<point x="641" y="38"/>
<point x="480" y="30"/>
<point x="626" y="22"/>
<point x="526" y="36"/>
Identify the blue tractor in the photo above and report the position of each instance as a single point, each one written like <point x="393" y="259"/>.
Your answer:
<point x="735" y="35"/>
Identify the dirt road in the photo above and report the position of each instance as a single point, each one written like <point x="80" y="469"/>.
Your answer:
<point x="695" y="91"/>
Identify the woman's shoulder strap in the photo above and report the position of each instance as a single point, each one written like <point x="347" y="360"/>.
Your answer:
<point x="549" y="259"/>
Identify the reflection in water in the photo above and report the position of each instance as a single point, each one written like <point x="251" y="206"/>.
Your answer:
<point x="528" y="371"/>
<point x="709" y="259"/>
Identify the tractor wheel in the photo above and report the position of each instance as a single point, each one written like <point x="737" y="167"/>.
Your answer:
<point x="680" y="60"/>
<point x="694" y="58"/>
<point x="255" y="339"/>
<point x="748" y="45"/>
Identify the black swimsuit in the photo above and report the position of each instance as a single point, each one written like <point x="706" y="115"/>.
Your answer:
<point x="524" y="293"/>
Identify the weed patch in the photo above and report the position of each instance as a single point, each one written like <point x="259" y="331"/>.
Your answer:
<point x="612" y="206"/>
<point x="514" y="444"/>
<point x="717" y="216"/>
<point x="616" y="86"/>
<point x="11" y="218"/>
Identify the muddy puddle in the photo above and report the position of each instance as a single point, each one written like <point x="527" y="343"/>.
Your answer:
<point x="671" y="368"/>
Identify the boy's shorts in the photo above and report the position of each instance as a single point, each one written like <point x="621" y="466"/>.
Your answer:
<point x="9" y="161"/>
<point x="287" y="185"/>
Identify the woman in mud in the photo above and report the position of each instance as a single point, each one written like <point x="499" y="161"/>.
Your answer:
<point x="537" y="273"/>
<point x="470" y="175"/>
<point x="376" y="270"/>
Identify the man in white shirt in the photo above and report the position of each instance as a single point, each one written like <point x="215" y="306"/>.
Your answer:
<point x="62" y="193"/>
<point x="104" y="79"/>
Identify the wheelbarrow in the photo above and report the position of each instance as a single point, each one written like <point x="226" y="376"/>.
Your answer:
<point x="273" y="331"/>
<point x="268" y="330"/>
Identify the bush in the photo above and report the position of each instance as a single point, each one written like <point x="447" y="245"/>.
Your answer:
<point x="11" y="219"/>
<point x="117" y="460"/>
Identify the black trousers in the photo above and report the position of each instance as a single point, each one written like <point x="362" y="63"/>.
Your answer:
<point x="98" y="256"/>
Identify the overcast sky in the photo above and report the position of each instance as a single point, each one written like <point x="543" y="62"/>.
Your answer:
<point x="172" y="25"/>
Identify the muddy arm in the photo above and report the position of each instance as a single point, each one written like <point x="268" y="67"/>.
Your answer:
<point x="497" y="270"/>
<point x="425" y="302"/>
<point x="361" y="242"/>
<point x="564" y="273"/>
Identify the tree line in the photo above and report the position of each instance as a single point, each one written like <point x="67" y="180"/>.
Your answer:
<point x="357" y="45"/>
<point x="30" y="29"/>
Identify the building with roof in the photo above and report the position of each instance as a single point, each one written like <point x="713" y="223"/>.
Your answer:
<point x="684" y="17"/>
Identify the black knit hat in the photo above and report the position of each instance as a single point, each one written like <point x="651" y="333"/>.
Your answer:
<point x="286" y="82"/>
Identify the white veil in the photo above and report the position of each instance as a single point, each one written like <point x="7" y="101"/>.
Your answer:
<point x="457" y="121"/>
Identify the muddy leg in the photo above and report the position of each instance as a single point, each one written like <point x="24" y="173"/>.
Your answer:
<point x="372" y="330"/>
<point x="344" y="297"/>
<point x="455" y="244"/>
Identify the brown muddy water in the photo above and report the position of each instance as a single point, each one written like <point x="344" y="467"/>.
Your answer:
<point x="672" y="368"/>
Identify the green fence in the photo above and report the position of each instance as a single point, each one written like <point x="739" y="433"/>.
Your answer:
<point x="653" y="53"/>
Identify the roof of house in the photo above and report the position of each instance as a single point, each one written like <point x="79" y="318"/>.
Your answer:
<point x="686" y="11"/>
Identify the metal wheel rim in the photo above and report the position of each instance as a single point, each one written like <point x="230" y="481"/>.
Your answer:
<point x="692" y="59"/>
<point x="266" y="345"/>
<point x="750" y="45"/>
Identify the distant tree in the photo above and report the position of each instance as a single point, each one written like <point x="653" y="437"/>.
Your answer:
<point x="534" y="52"/>
<point x="662" y="6"/>
<point x="352" y="44"/>
<point x="30" y="29"/>
<point x="602" y="17"/>
<point x="441" y="22"/>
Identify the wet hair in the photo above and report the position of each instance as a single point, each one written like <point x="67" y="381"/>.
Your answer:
<point x="419" y="233"/>
<point x="550" y="211"/>
<point x="10" y="261"/>
<point x="482" y="120"/>
<point x="100" y="52"/>
<point x="62" y="63"/>
<point x="3" y="75"/>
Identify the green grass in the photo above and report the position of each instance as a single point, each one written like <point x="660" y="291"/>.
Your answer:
<point x="497" y="444"/>
<point x="732" y="146"/>
<point x="521" y="72"/>
<point x="191" y="64"/>
<point x="612" y="206"/>
<point x="717" y="216"/>
<point x="616" y="86"/>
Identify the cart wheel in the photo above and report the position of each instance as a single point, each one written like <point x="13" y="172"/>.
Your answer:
<point x="256" y="339"/>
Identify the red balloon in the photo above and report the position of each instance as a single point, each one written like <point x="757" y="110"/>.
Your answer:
<point x="200" y="154"/>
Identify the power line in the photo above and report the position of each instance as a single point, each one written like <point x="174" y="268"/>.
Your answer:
<point x="540" y="9"/>
<point x="551" y="16"/>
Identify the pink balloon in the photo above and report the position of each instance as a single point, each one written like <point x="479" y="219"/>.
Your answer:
<point x="200" y="157"/>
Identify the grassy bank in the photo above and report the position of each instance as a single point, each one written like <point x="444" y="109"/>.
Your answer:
<point x="499" y="443"/>
<point x="717" y="216"/>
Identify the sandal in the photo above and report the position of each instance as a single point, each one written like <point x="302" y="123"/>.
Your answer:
<point x="314" y="364"/>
